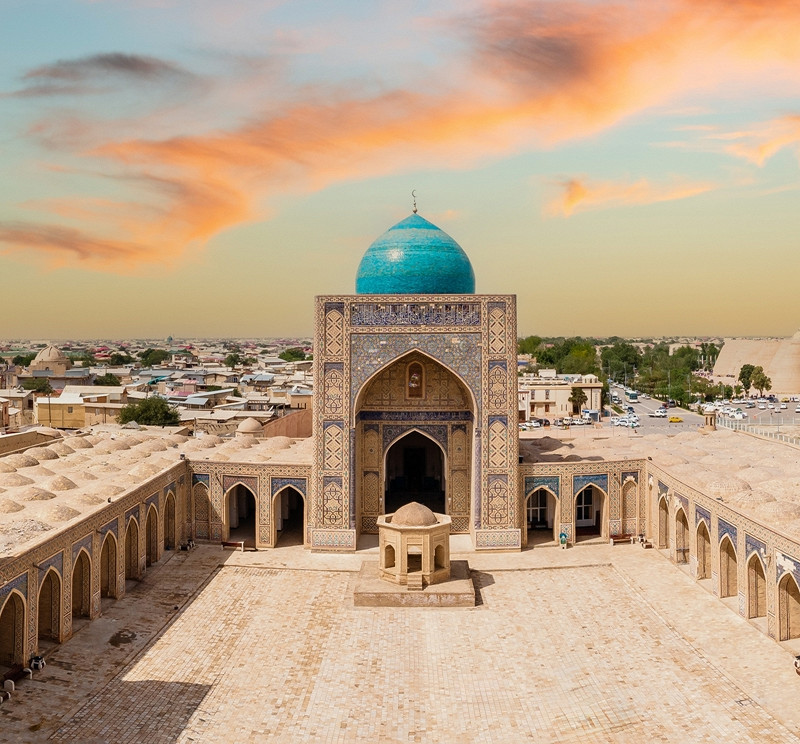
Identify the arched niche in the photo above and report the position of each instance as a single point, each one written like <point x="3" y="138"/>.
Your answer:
<point x="289" y="518"/>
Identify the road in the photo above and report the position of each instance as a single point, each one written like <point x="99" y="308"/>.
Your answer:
<point x="648" y="406"/>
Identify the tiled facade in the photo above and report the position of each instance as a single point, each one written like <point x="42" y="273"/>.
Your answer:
<point x="463" y="348"/>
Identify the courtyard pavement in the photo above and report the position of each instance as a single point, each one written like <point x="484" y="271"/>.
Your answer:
<point x="591" y="644"/>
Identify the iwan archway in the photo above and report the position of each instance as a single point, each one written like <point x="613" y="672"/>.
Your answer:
<point x="289" y="518"/>
<point x="414" y="424"/>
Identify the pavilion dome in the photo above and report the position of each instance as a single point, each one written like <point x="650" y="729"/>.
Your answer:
<point x="250" y="426"/>
<point x="414" y="514"/>
<point x="51" y="354"/>
<point x="415" y="257"/>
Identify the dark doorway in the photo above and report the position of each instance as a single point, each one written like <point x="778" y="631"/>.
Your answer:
<point x="415" y="472"/>
<point x="289" y="510"/>
<point x="242" y="515"/>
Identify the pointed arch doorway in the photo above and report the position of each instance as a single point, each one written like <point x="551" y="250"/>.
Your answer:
<point x="415" y="472"/>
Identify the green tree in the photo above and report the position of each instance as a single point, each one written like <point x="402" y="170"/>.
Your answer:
<point x="233" y="359"/>
<point x="528" y="345"/>
<point x="746" y="376"/>
<point x="294" y="354"/>
<point x="153" y="411"/>
<point x="23" y="360"/>
<point x="38" y="385"/>
<point x="108" y="379"/>
<point x="578" y="399"/>
<point x="151" y="357"/>
<point x="760" y="381"/>
<point x="118" y="359"/>
<point x="85" y="358"/>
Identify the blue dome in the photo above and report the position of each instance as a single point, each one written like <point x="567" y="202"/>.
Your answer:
<point x="415" y="257"/>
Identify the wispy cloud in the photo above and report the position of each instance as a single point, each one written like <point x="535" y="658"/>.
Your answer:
<point x="761" y="143"/>
<point x="580" y="194"/>
<point x="531" y="73"/>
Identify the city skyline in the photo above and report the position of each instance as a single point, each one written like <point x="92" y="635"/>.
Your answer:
<point x="191" y="170"/>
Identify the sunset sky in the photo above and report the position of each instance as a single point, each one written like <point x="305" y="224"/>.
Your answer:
<point x="204" y="168"/>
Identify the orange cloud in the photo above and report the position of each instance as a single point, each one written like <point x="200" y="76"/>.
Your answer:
<point x="536" y="73"/>
<point x="759" y="145"/>
<point x="579" y="194"/>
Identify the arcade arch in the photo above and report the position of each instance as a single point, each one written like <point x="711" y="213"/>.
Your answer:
<point x="663" y="523"/>
<point x="728" y="569"/>
<point x="82" y="585"/>
<point x="681" y="537"/>
<point x="289" y="518"/>
<point x="756" y="588"/>
<point x="703" y="552"/>
<point x="541" y="522"/>
<point x="132" y="550"/>
<point x="170" y="523"/>
<point x="12" y="630"/>
<point x="240" y="515"/>
<point x="49" y="607"/>
<point x="788" y="608"/>
<point x="151" y="536"/>
<point x="590" y="513"/>
<point x="108" y="566"/>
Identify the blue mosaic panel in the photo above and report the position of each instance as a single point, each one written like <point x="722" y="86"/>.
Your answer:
<point x="502" y="419"/>
<point x="497" y="363"/>
<point x="84" y="542"/>
<point x="579" y="482"/>
<point x="415" y="416"/>
<point x="326" y="424"/>
<point x="278" y="484"/>
<point x="132" y="512"/>
<point x="684" y="501"/>
<point x="663" y="489"/>
<point x="54" y="561"/>
<point x="701" y="514"/>
<point x="371" y="352"/>
<point x="170" y="487"/>
<point x="152" y="500"/>
<point x="415" y="314"/>
<point x="248" y="481"/>
<point x="551" y="482"/>
<point x="111" y="526"/>
<point x="785" y="563"/>
<point x="334" y="365"/>
<point x="752" y="544"/>
<point x="330" y="306"/>
<point x="437" y="431"/>
<point x="20" y="583"/>
<point x="634" y="474"/>
<point x="726" y="528"/>
<point x="203" y="478"/>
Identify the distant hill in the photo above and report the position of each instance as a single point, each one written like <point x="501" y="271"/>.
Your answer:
<point x="780" y="358"/>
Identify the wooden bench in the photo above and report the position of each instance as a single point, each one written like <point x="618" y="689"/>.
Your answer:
<point x="233" y="544"/>
<point x="614" y="539"/>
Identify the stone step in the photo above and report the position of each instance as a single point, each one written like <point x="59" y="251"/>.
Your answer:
<point x="415" y="582"/>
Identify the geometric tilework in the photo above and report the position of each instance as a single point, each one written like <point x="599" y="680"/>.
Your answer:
<point x="701" y="514"/>
<point x="551" y="482"/>
<point x="785" y="563"/>
<point x="278" y="484"/>
<point x="579" y="482"/>
<point x="724" y="528"/>
<point x="752" y="544"/>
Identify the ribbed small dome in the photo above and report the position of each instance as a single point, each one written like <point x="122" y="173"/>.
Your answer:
<point x="414" y="514"/>
<point x="415" y="257"/>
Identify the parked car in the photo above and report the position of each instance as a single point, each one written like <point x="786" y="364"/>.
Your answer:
<point x="675" y="419"/>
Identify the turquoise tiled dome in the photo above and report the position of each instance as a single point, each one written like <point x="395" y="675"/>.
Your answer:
<point x="415" y="257"/>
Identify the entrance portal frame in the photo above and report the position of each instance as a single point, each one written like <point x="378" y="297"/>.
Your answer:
<point x="471" y="336"/>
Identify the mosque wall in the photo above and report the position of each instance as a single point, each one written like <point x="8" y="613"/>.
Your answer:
<point x="52" y="563"/>
<point x="473" y="338"/>
<point x="776" y="554"/>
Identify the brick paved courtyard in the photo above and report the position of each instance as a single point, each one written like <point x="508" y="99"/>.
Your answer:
<point x="553" y="654"/>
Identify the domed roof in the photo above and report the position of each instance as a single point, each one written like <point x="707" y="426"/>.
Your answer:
<point x="414" y="514"/>
<point x="415" y="257"/>
<point x="50" y="354"/>
<point x="250" y="426"/>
